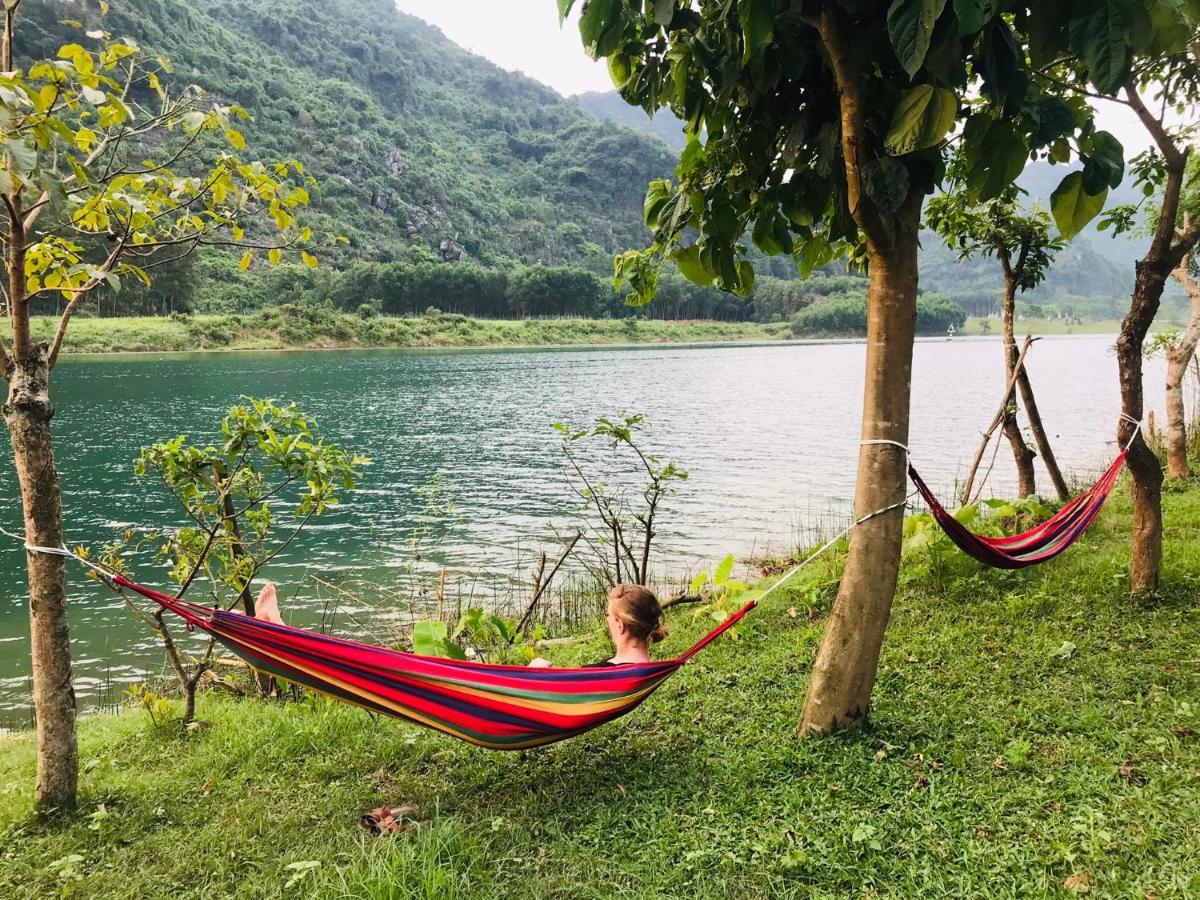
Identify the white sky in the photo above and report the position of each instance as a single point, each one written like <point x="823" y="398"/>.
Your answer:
<point x="524" y="36"/>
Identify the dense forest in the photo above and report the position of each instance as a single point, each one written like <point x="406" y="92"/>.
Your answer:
<point x="462" y="186"/>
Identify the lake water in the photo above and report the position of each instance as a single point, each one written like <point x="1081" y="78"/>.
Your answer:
<point x="768" y="434"/>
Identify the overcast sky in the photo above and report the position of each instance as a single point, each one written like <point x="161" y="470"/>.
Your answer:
<point x="523" y="36"/>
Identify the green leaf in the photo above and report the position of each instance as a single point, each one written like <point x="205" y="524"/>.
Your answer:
<point x="921" y="119"/>
<point x="698" y="582"/>
<point x="1073" y="207"/>
<point x="887" y="182"/>
<point x="1104" y="162"/>
<point x="658" y="192"/>
<point x="758" y="21"/>
<point x="1101" y="38"/>
<point x="972" y="15"/>
<point x="745" y="279"/>
<point x="995" y="155"/>
<point x="910" y="27"/>
<point x="721" y="575"/>
<point x="687" y="260"/>
<point x="600" y="25"/>
<point x="564" y="10"/>
<point x="663" y="11"/>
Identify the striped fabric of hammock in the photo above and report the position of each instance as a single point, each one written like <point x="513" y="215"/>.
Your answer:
<point x="495" y="706"/>
<point x="1038" y="544"/>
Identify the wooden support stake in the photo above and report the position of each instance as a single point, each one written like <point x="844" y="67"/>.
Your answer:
<point x="1018" y="368"/>
<point x="540" y="586"/>
<point x="1039" y="436"/>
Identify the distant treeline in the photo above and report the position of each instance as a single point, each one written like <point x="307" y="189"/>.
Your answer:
<point x="827" y="303"/>
<point x="214" y="284"/>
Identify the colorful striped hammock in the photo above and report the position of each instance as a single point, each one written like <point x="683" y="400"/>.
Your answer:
<point x="495" y="706"/>
<point x="1037" y="545"/>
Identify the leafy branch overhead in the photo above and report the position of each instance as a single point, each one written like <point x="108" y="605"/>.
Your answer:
<point x="106" y="172"/>
<point x="757" y="83"/>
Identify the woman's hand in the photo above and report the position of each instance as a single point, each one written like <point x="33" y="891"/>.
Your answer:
<point x="539" y="663"/>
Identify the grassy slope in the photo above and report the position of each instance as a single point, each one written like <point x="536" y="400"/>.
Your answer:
<point x="1007" y="704"/>
<point x="258" y="332"/>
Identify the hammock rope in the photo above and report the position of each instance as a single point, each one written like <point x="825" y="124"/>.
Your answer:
<point x="501" y="707"/>
<point x="1038" y="544"/>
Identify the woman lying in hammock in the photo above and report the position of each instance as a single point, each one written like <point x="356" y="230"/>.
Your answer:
<point x="635" y="623"/>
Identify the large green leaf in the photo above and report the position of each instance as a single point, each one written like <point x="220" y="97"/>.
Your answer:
<point x="687" y="260"/>
<point x="600" y="26"/>
<point x="972" y="15"/>
<point x="910" y="28"/>
<point x="995" y="154"/>
<point x="1103" y="162"/>
<point x="1073" y="207"/>
<point x="887" y="182"/>
<point x="758" y="20"/>
<point x="663" y="12"/>
<point x="1101" y="38"/>
<point x="658" y="192"/>
<point x="922" y="118"/>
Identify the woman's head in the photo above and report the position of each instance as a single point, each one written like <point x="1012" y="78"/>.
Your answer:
<point x="634" y="614"/>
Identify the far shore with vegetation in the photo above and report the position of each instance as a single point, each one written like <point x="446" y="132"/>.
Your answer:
<point x="300" y="328"/>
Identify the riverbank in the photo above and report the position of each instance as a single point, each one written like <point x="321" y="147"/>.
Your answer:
<point x="293" y="328"/>
<point x="1035" y="733"/>
<point x="297" y="328"/>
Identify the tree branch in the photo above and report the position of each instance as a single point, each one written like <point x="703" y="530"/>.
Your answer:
<point x="60" y="332"/>
<point x="1171" y="153"/>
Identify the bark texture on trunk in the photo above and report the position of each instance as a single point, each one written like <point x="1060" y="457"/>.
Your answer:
<point x="1022" y="454"/>
<point x="27" y="413"/>
<point x="839" y="693"/>
<point x="1178" y="357"/>
<point x="1145" y="471"/>
<point x="843" y="677"/>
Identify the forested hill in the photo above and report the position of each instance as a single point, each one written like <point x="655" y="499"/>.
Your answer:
<point x="414" y="140"/>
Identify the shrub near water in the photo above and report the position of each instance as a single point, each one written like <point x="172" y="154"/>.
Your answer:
<point x="846" y="316"/>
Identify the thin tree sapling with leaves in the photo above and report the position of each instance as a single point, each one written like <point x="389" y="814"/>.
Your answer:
<point x="105" y="173"/>
<point x="619" y="531"/>
<point x="817" y="129"/>
<point x="269" y="459"/>
<point x="1021" y="240"/>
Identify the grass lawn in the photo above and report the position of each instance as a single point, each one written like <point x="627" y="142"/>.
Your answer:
<point x="276" y="329"/>
<point x="1035" y="734"/>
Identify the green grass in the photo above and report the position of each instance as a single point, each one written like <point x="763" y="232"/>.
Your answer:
<point x="326" y="330"/>
<point x="1006" y="707"/>
<point x="1043" y="327"/>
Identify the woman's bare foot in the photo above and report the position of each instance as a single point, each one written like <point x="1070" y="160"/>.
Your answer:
<point x="267" y="605"/>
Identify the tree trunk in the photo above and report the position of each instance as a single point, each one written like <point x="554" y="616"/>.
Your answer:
<point x="1144" y="468"/>
<point x="1178" y="465"/>
<point x="1178" y="357"/>
<point x="1040" y="437"/>
<point x="1022" y="455"/>
<point x="839" y="694"/>
<point x="27" y="413"/>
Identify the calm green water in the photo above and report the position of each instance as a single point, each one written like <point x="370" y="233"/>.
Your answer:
<point x="769" y="435"/>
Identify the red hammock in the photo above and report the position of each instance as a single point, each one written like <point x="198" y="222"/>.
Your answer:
<point x="495" y="706"/>
<point x="1037" y="545"/>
